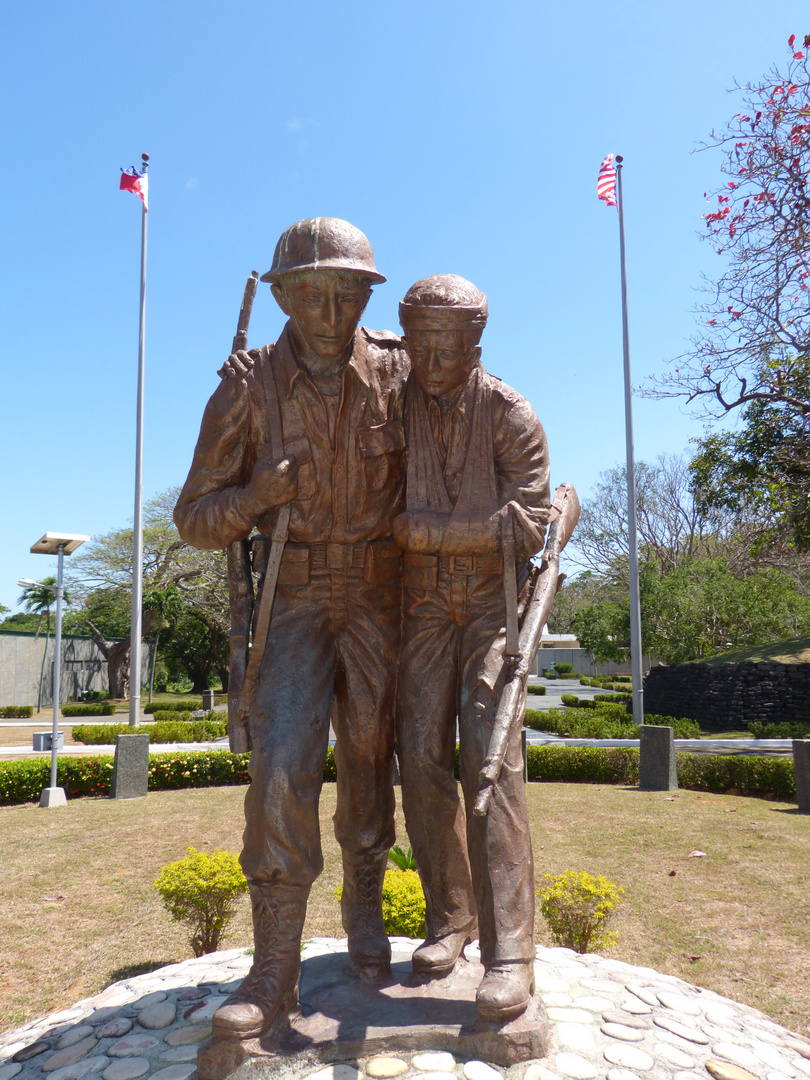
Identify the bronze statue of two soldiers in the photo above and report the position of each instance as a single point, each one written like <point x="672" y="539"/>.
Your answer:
<point x="394" y="492"/>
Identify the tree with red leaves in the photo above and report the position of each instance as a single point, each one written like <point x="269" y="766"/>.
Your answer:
<point x="754" y="339"/>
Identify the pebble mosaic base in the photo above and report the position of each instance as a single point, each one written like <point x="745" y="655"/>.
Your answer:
<point x="607" y="1021"/>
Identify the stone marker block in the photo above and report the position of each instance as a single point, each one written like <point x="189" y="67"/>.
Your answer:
<point x="657" y="759"/>
<point x="130" y="778"/>
<point x="801" y="772"/>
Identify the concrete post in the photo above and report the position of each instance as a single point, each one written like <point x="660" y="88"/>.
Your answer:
<point x="657" y="759"/>
<point x="801" y="771"/>
<point x="130" y="778"/>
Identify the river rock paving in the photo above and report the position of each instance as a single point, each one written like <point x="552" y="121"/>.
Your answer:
<point x="607" y="1021"/>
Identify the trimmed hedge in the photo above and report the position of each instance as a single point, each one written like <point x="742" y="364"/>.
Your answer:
<point x="165" y="729"/>
<point x="611" y="721"/>
<point x="22" y="781"/>
<point x="194" y="705"/>
<point x="189" y="705"/>
<point x="760" y="730"/>
<point x="12" y="712"/>
<point x="745" y="775"/>
<point x="104" y="709"/>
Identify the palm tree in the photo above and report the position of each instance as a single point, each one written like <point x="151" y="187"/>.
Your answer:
<point x="38" y="599"/>
<point x="166" y="605"/>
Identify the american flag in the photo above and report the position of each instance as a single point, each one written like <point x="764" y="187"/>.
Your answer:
<point x="606" y="184"/>
<point x="137" y="183"/>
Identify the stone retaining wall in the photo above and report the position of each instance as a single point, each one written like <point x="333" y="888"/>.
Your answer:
<point x="725" y="697"/>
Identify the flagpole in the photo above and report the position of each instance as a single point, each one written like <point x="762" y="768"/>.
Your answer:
<point x="635" y="599"/>
<point x="137" y="530"/>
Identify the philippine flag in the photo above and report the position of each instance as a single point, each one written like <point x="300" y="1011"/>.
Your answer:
<point x="137" y="183"/>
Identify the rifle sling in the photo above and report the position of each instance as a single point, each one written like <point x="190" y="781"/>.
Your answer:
<point x="279" y="539"/>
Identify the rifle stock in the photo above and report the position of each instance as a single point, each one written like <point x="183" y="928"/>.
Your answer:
<point x="511" y="706"/>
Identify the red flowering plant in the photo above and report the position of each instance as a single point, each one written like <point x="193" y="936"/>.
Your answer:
<point x="754" y="339"/>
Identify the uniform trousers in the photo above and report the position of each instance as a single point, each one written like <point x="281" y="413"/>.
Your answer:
<point x="331" y="653"/>
<point x="451" y="667"/>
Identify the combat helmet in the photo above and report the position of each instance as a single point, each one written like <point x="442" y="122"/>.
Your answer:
<point x="323" y="243"/>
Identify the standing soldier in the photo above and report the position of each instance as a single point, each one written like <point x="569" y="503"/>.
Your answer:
<point x="477" y="498"/>
<point x="304" y="442"/>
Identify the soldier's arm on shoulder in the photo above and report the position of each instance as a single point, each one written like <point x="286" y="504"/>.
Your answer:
<point x="522" y="465"/>
<point x="208" y="513"/>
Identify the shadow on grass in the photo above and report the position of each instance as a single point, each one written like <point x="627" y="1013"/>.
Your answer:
<point x="133" y="970"/>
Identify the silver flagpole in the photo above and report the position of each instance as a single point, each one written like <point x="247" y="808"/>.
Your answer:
<point x="635" y="600"/>
<point x="137" y="530"/>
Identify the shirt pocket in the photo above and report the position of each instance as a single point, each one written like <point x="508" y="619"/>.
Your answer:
<point x="381" y="447"/>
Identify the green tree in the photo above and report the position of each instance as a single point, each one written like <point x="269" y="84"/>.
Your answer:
<point x="38" y="600"/>
<point x="762" y="469"/>
<point x="101" y="575"/>
<point x="167" y="606"/>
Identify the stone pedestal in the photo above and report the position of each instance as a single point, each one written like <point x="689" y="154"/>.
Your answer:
<point x="343" y="1018"/>
<point x="130" y="778"/>
<point x="657" y="770"/>
<point x="801" y="772"/>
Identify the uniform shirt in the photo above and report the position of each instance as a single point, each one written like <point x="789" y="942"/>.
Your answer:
<point x="350" y="485"/>
<point x="506" y="462"/>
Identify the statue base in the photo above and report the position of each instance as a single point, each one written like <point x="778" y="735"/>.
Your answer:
<point x="343" y="1018"/>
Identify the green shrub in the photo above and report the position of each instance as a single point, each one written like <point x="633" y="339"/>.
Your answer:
<point x="193" y="705"/>
<point x="171" y="716"/>
<point x="747" y="775"/>
<point x="583" y="764"/>
<point x="11" y="712"/>
<point x="402" y="860"/>
<point x="682" y="727"/>
<point x="96" y="695"/>
<point x="403" y="904"/>
<point x="201" y="890"/>
<point x="537" y="690"/>
<point x="783" y="730"/>
<point x="577" y="908"/>
<point x="167" y="730"/>
<point x="608" y="722"/>
<point x="585" y="681"/>
<point x="563" y="669"/>
<point x="103" y="709"/>
<point x="571" y="700"/>
<point x="613" y="699"/>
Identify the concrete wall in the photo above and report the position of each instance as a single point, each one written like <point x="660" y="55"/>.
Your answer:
<point x="584" y="663"/>
<point x="83" y="668"/>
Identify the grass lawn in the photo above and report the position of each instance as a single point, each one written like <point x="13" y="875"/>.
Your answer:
<point x="78" y="911"/>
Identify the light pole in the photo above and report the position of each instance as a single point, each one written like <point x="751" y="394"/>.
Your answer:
<point x="59" y="544"/>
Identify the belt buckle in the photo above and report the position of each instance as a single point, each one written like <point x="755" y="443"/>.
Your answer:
<point x="462" y="564"/>
<point x="338" y="556"/>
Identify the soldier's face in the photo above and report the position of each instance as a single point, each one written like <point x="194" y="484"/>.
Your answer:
<point x="325" y="308"/>
<point x="442" y="359"/>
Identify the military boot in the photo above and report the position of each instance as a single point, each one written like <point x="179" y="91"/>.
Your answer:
<point x="361" y="913"/>
<point x="505" y="991"/>
<point x="271" y="985"/>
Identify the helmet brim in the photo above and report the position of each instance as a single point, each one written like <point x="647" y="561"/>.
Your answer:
<point x="275" y="276"/>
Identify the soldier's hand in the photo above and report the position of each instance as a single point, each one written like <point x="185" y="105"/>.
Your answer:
<point x="273" y="482"/>
<point x="237" y="365"/>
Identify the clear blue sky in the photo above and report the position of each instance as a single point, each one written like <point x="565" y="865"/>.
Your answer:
<point x="461" y="137"/>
